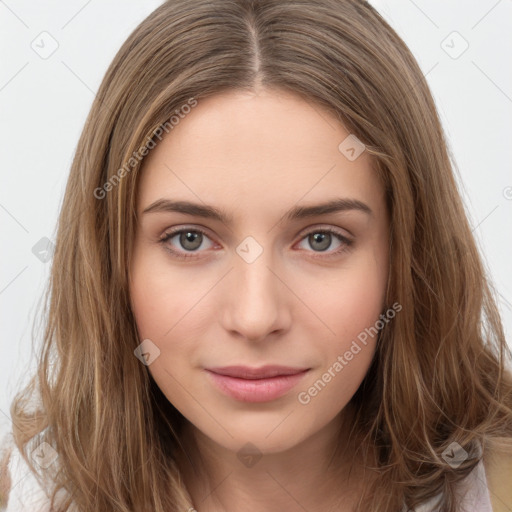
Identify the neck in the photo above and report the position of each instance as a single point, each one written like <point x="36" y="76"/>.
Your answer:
<point x="320" y="473"/>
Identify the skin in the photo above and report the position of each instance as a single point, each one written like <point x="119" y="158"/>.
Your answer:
<point x="255" y="156"/>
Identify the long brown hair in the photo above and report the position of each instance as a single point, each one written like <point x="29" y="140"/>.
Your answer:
<point x="439" y="374"/>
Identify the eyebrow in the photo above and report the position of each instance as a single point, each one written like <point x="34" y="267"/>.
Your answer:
<point x="299" y="212"/>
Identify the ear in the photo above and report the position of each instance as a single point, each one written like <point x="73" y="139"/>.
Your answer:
<point x="498" y="469"/>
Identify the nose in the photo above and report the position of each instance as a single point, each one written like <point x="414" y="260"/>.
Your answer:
<point x="258" y="302"/>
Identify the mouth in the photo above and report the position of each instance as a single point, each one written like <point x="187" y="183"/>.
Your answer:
<point x="255" y="384"/>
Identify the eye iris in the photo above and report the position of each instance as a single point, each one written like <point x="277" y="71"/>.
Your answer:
<point x="323" y="238"/>
<point x="190" y="237"/>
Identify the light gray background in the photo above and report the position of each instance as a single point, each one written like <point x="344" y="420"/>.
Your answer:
<point x="44" y="103"/>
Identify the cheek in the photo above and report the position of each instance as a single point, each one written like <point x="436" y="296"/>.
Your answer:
<point x="171" y="310"/>
<point x="350" y="306"/>
<point x="165" y="317"/>
<point x="162" y="297"/>
<point x="354" y="299"/>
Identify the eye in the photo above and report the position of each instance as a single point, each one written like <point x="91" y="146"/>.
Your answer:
<point x="191" y="241"/>
<point x="321" y="239"/>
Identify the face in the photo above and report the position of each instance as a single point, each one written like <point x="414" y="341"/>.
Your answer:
<point x="267" y="281"/>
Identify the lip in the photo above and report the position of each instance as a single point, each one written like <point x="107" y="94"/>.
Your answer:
<point x="255" y="384"/>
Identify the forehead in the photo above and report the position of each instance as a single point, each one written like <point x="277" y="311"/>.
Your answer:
<point x="256" y="150"/>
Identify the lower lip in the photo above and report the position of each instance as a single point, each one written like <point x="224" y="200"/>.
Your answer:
<point x="256" y="390"/>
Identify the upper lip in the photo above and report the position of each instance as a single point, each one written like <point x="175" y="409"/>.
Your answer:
<point x="263" y="372"/>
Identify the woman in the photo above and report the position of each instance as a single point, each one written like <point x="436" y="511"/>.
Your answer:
<point x="265" y="292"/>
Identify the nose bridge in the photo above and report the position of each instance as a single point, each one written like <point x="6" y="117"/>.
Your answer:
<point x="256" y="298"/>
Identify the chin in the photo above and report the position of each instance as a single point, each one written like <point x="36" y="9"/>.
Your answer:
<point x="270" y="432"/>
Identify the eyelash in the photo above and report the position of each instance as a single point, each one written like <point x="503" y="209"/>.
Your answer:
<point x="347" y="243"/>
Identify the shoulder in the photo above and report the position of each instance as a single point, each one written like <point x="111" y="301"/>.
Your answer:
<point x="498" y="470"/>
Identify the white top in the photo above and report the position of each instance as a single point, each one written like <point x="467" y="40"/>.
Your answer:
<point x="27" y="496"/>
<point x="473" y="491"/>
